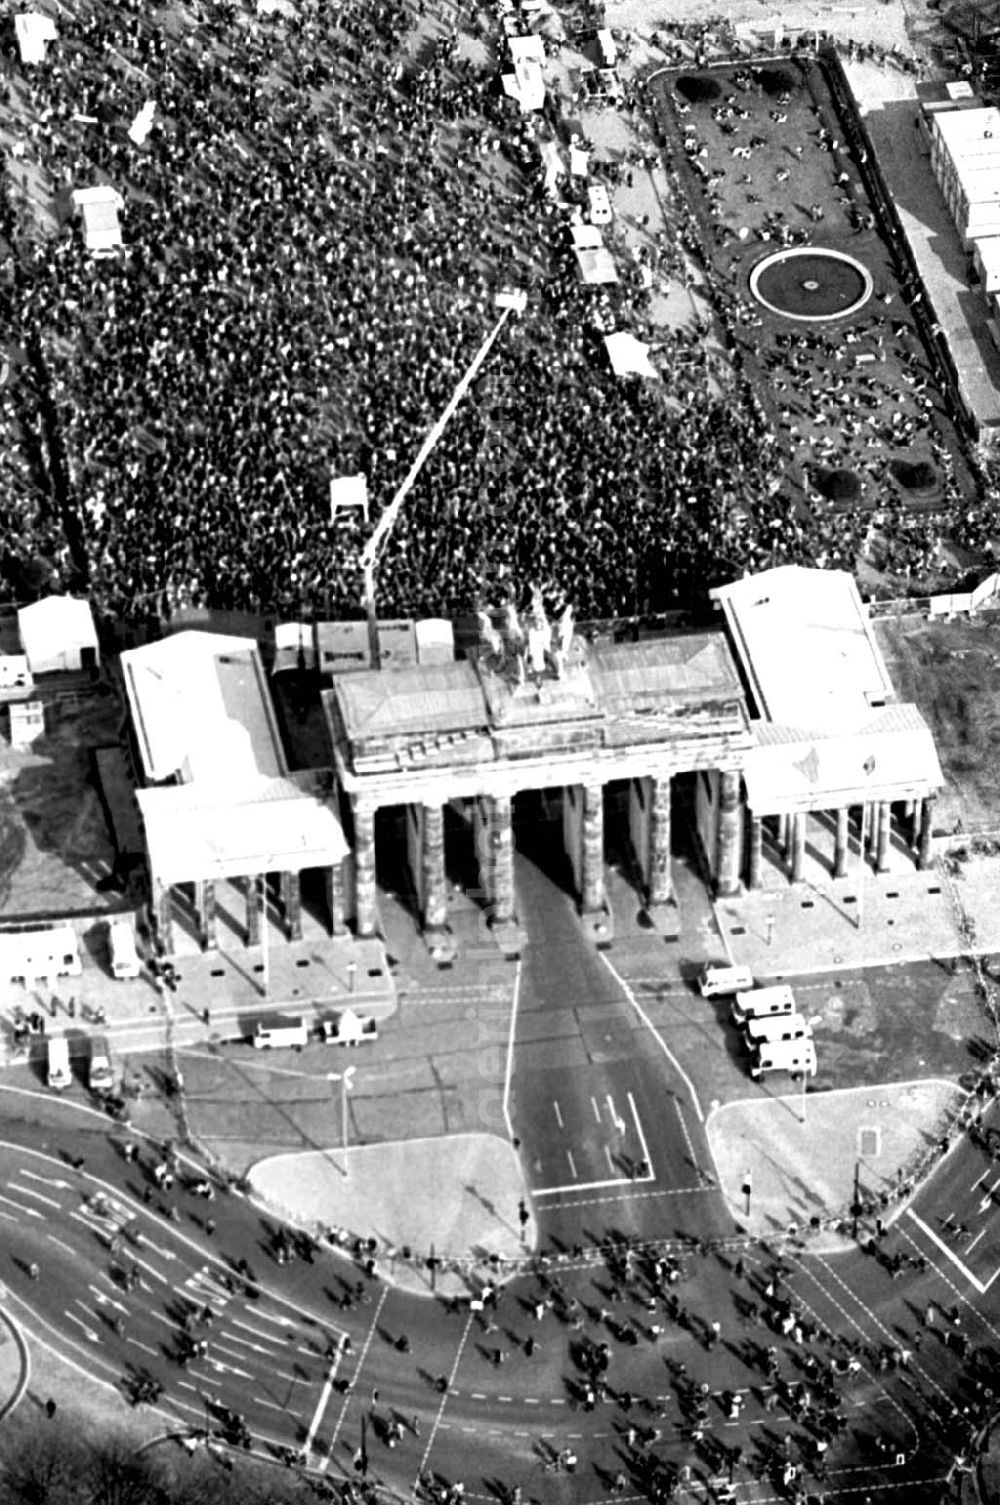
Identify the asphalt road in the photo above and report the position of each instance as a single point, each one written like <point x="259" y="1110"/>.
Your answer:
<point x="611" y="1138"/>
<point x="274" y="1350"/>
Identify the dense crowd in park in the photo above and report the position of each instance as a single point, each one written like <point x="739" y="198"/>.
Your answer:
<point x="314" y="235"/>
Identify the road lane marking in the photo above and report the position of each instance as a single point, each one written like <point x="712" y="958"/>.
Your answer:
<point x="642" y="1140"/>
<point x="103" y="1299"/>
<point x="357" y="1375"/>
<point x="633" y="1000"/>
<point x="939" y="1243"/>
<point x="144" y="1346"/>
<point x="91" y="1335"/>
<point x="593" y="1104"/>
<point x="26" y="1191"/>
<point x="245" y="1343"/>
<point x="53" y="1239"/>
<point x="270" y="1404"/>
<point x="46" y="1180"/>
<point x="509" y="1068"/>
<point x="444" y="1400"/>
<point x="321" y="1404"/>
<point x="981" y="1234"/>
<point x="559" y="1117"/>
<point x="611" y="1163"/>
<point x="31" y="1212"/>
<point x="572" y="1163"/>
<point x="618" y="1122"/>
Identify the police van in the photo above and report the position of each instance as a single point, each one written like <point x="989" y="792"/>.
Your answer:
<point x="797" y="1057"/>
<point x="58" y="1073"/>
<point x="280" y="1030"/>
<point x="100" y="1076"/>
<point x="762" y="1003"/>
<point x="715" y="982"/>
<point x="774" y="1027"/>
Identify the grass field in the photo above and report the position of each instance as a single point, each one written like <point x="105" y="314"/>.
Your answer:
<point x="951" y="670"/>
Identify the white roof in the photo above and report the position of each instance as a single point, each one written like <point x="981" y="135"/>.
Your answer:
<point x="596" y="265"/>
<point x="891" y="756"/>
<point x="987" y="252"/>
<point x="33" y="32"/>
<point x="55" y="621"/>
<point x="201" y="710"/>
<point x="266" y="825"/>
<point x="972" y="140"/>
<point x="806" y="647"/>
<point x="143" y="123"/>
<point x="629" y="356"/>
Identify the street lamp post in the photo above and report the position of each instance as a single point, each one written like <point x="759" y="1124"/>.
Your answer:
<point x="346" y="1080"/>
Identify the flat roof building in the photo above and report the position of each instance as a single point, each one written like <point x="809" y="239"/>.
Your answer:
<point x="220" y="802"/>
<point x="965" y="156"/>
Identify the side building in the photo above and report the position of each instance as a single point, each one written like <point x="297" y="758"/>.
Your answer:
<point x="831" y="745"/>
<point x="218" y="803"/>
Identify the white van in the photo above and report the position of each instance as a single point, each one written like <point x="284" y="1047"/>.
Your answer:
<point x="762" y="1003"/>
<point x="123" y="956"/>
<point x="774" y="1027"/>
<point x="797" y="1057"/>
<point x="59" y="1074"/>
<point x="100" y="1077"/>
<point x="715" y="982"/>
<point x="280" y="1030"/>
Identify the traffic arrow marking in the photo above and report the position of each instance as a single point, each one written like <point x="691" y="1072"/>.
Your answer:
<point x="47" y="1180"/>
<point x="92" y="1337"/>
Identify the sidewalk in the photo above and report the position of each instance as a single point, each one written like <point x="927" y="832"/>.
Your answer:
<point x="803" y="1156"/>
<point x="825" y="925"/>
<point x="457" y="1198"/>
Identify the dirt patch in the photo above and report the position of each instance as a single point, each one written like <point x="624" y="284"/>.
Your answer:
<point x="951" y="670"/>
<point x="56" y="852"/>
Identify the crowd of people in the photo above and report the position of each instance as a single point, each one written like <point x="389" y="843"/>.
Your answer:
<point x="315" y="232"/>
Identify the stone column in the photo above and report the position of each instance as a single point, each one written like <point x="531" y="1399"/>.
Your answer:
<point x="916" y="815"/>
<point x="924" y="847"/>
<point x="782" y="836"/>
<point x="433" y="884"/>
<point x="659" y="871"/>
<point x="727" y="845"/>
<point x="252" y="897"/>
<point x="497" y="857"/>
<point x="872" y="838"/>
<point x="365" y="896"/>
<point x="840" y="842"/>
<point x="335" y="898"/>
<point x="755" y="851"/>
<point x="208" y="921"/>
<point x="798" y="845"/>
<point x="884" y="832"/>
<point x="592" y="850"/>
<point x="164" y="901"/>
<point x="291" y="903"/>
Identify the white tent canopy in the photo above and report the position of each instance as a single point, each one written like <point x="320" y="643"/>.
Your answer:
<point x="58" y="635"/>
<point x="33" y="32"/>
<point x="629" y="356"/>
<point x="100" y="208"/>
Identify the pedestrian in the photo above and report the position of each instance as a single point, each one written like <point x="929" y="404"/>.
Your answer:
<point x="210" y="1226"/>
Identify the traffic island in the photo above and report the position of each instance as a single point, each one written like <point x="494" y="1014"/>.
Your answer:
<point x="790" y="1164"/>
<point x="459" y="1201"/>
